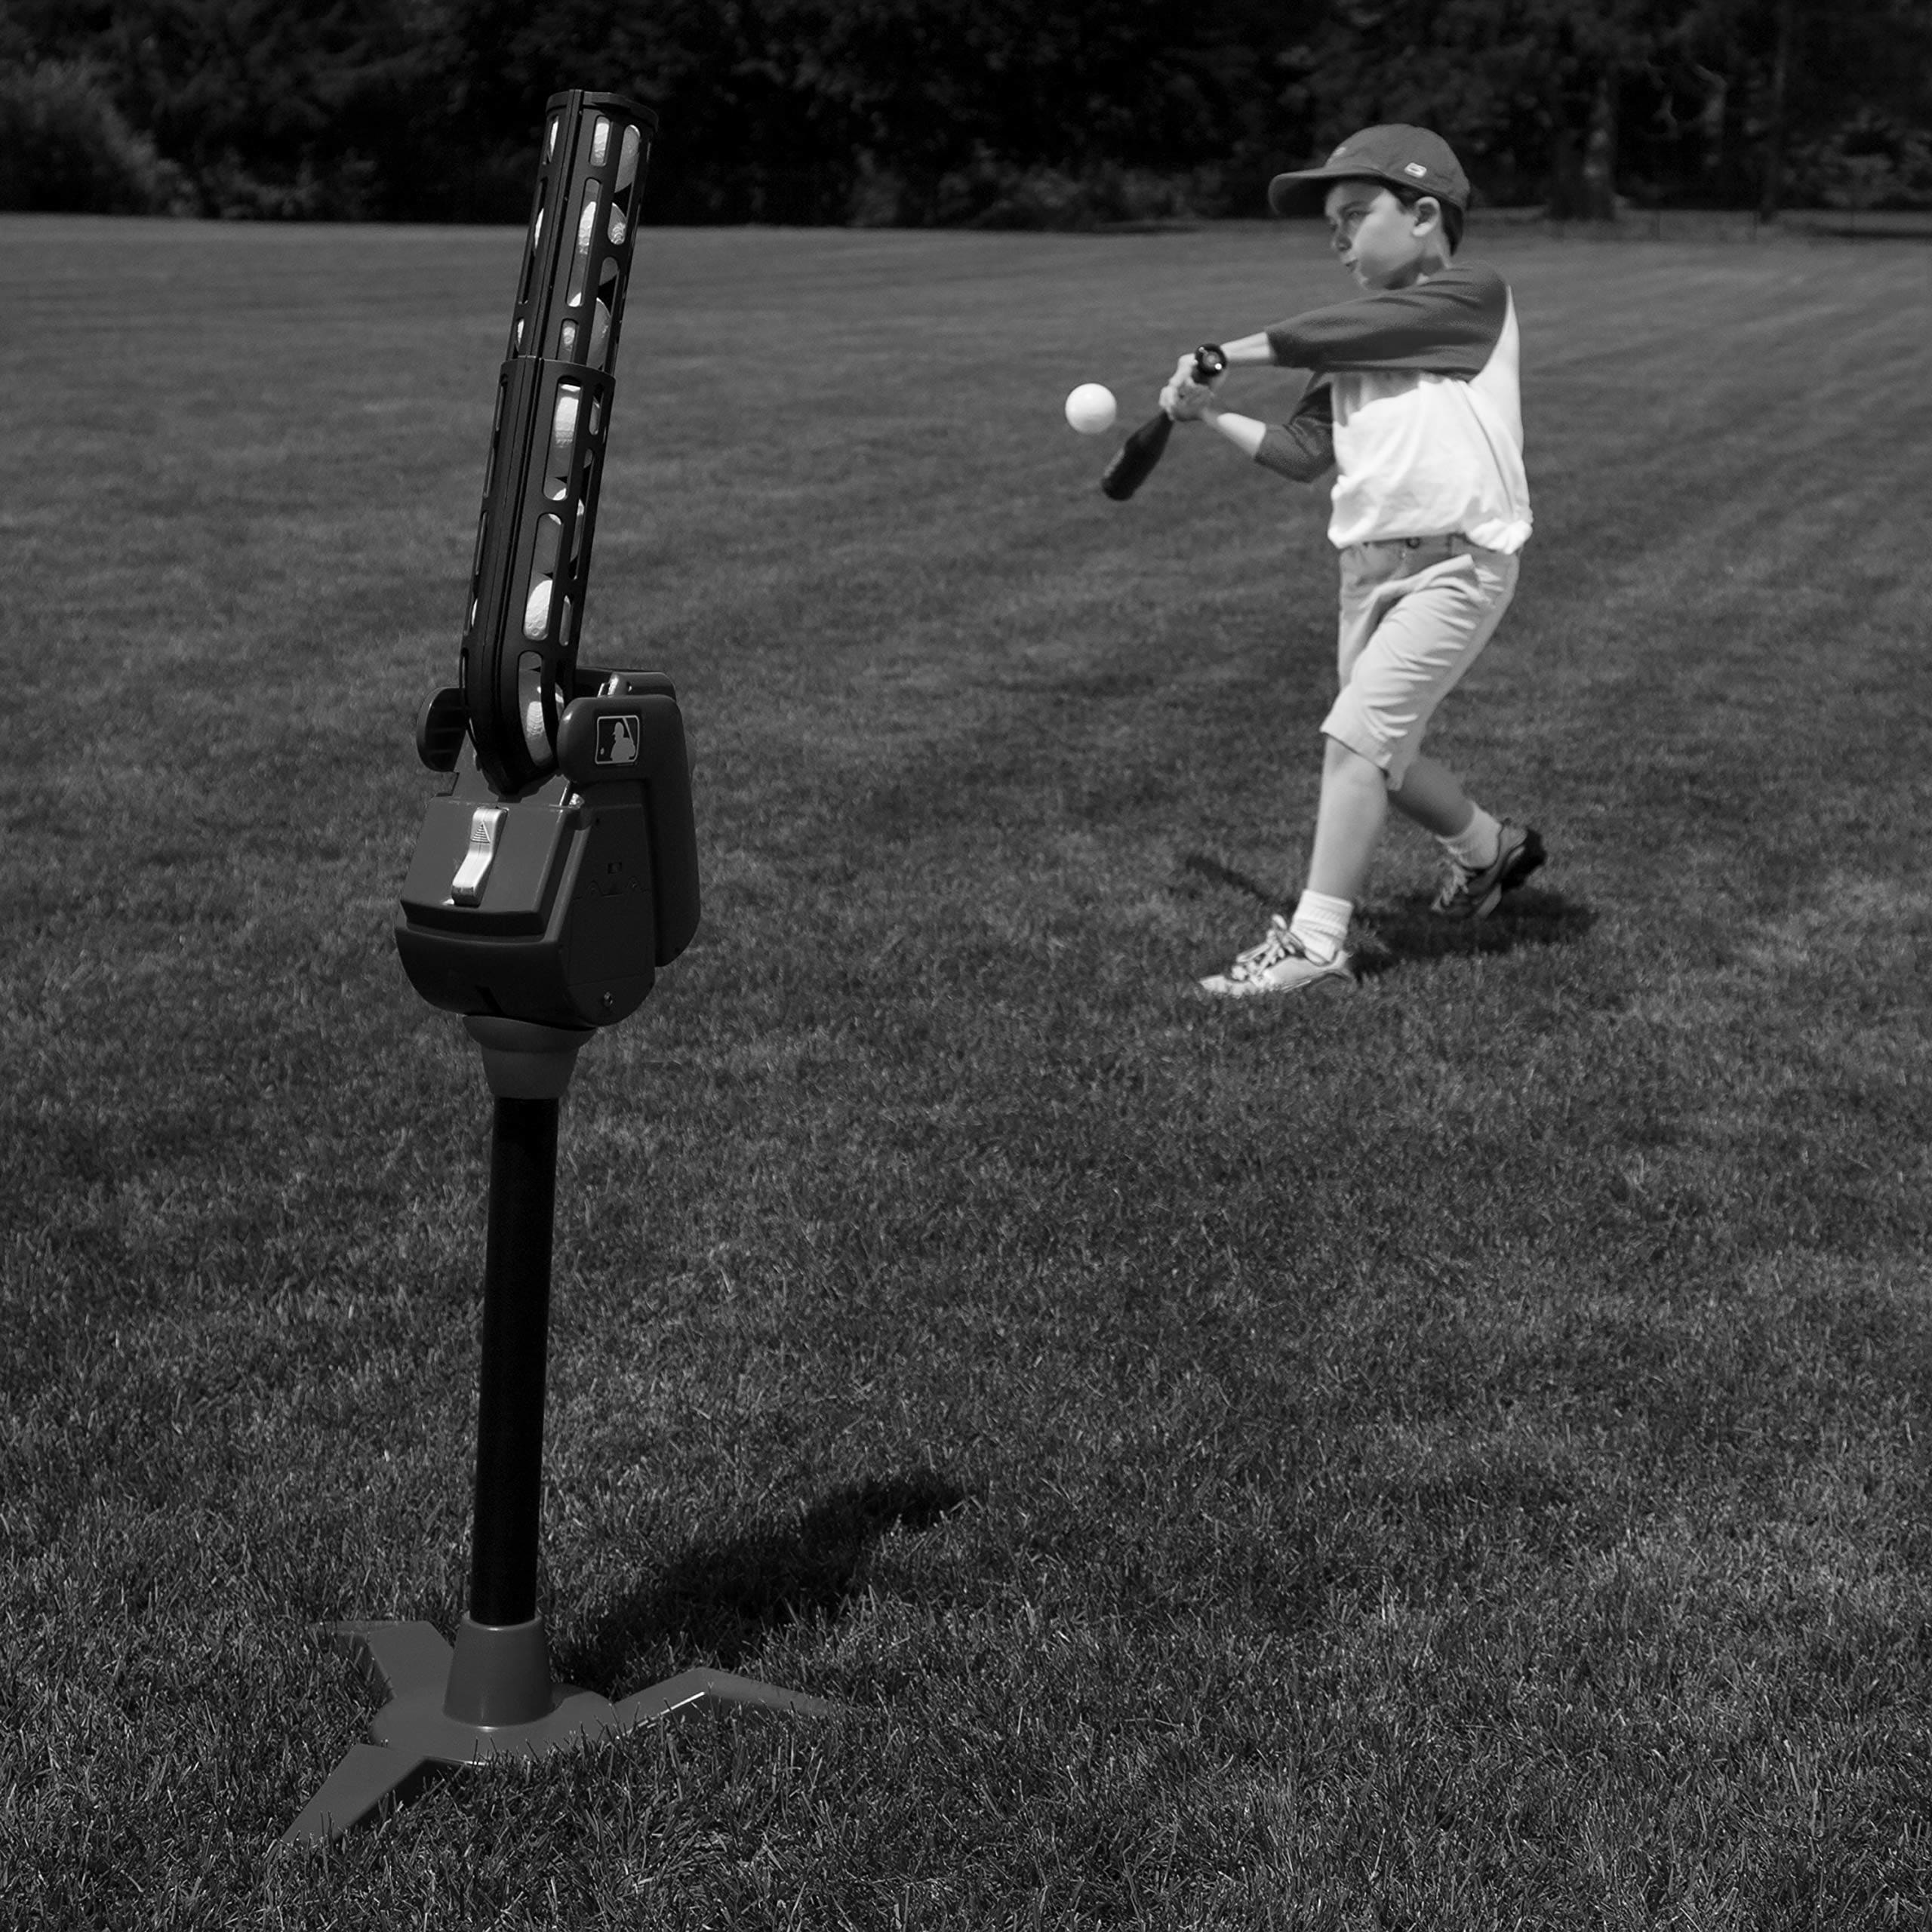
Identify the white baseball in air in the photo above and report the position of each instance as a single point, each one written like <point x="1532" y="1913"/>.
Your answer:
<point x="1091" y="409"/>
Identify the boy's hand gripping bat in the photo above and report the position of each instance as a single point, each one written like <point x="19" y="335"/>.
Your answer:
<point x="1143" y="450"/>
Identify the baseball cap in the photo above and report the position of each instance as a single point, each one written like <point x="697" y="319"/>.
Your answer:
<point x="1404" y="157"/>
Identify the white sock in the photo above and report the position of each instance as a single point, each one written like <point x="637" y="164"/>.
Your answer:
<point x="1321" y="924"/>
<point x="1476" y="844"/>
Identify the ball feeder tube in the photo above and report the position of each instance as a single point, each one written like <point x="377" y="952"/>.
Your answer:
<point x="555" y="871"/>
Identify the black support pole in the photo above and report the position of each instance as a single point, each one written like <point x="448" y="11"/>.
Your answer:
<point x="491" y="1694"/>
<point x="516" y="1325"/>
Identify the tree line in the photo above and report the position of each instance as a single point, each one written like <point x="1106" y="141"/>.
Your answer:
<point x="1038" y="113"/>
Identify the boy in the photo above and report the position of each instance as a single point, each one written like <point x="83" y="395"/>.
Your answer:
<point x="1414" y="402"/>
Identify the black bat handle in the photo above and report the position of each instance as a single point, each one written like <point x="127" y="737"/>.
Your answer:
<point x="1138" y="457"/>
<point x="1143" y="449"/>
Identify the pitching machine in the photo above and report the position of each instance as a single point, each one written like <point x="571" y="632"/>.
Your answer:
<point x="555" y="871"/>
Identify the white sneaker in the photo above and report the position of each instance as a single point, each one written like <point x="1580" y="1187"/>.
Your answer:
<point x="1281" y="964"/>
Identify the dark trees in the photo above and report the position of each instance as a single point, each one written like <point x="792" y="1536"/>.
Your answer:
<point x="918" y="111"/>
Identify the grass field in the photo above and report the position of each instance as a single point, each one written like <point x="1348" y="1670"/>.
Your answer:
<point x="1456" y="1457"/>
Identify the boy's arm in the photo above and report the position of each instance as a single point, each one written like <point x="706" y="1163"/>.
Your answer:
<point x="1302" y="449"/>
<point x="1446" y="326"/>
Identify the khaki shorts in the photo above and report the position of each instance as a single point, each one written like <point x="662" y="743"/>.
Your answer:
<point x="1416" y="613"/>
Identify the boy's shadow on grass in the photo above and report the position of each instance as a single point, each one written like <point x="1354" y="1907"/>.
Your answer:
<point x="1404" y="930"/>
<point x="722" y="1598"/>
<point x="1395" y="933"/>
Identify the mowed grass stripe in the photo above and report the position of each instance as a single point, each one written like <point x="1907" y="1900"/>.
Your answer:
<point x="1453" y="1455"/>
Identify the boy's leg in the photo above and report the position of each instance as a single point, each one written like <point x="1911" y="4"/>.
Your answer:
<point x="1348" y="825"/>
<point x="1348" y="822"/>
<point x="1419" y="651"/>
<point x="1354" y="801"/>
<point x="1488" y="856"/>
<point x="1405" y="645"/>
<point x="1411" y="624"/>
<point x="1432" y="795"/>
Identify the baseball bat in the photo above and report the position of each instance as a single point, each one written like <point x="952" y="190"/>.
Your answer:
<point x="1134" y="463"/>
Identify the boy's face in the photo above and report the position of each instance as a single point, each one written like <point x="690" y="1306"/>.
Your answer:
<point x="1386" y="245"/>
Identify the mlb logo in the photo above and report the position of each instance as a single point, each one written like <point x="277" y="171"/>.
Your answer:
<point x="1414" y="168"/>
<point x="617" y="738"/>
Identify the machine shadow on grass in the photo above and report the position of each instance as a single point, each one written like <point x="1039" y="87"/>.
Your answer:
<point x="722" y="1599"/>
<point x="1393" y="933"/>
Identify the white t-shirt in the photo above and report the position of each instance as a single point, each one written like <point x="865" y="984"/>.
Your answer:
<point x="1415" y="404"/>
